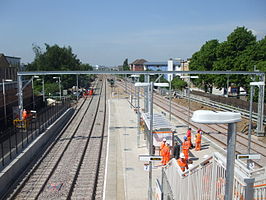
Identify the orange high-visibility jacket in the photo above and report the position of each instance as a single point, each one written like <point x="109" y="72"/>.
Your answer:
<point x="185" y="145"/>
<point x="24" y="114"/>
<point x="198" y="138"/>
<point x="182" y="164"/>
<point x="161" y="147"/>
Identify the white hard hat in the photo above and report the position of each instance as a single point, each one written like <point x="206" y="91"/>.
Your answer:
<point x="164" y="140"/>
<point x="182" y="155"/>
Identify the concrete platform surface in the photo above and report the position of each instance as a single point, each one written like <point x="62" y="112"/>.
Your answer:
<point x="125" y="175"/>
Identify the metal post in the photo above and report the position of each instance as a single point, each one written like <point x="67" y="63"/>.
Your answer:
<point x="60" y="87"/>
<point x="43" y="92"/>
<point x="20" y="96"/>
<point x="250" y="122"/>
<point x="227" y="85"/>
<point x="151" y="140"/>
<point x="135" y="93"/>
<point x="249" y="188"/>
<point x="146" y="94"/>
<point x="33" y="98"/>
<point x="130" y="93"/>
<point x="77" y="87"/>
<point x="126" y="82"/>
<point x="188" y="101"/>
<point x="230" y="161"/>
<point x="4" y="97"/>
<point x="260" y="131"/>
<point x="170" y="101"/>
<point x="138" y="137"/>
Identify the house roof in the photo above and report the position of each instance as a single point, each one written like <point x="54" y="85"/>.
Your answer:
<point x="139" y="62"/>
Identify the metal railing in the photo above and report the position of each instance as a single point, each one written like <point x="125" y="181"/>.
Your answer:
<point x="14" y="139"/>
<point x="206" y="181"/>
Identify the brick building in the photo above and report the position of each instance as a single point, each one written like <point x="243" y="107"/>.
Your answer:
<point x="137" y="65"/>
<point x="8" y="97"/>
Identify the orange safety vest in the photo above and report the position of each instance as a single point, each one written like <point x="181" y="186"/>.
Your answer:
<point x="182" y="164"/>
<point x="185" y="145"/>
<point x="161" y="147"/>
<point x="198" y="138"/>
<point x="24" y="115"/>
<point x="165" y="154"/>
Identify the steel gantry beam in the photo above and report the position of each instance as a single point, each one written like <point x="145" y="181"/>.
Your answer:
<point x="261" y="75"/>
<point x="136" y="72"/>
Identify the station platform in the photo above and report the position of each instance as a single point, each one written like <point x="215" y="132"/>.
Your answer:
<point x="125" y="175"/>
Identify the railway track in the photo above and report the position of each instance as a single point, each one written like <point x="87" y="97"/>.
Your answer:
<point x="216" y="132"/>
<point x="73" y="166"/>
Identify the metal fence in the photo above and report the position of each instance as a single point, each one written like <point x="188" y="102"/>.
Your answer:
<point x="206" y="181"/>
<point x="14" y="139"/>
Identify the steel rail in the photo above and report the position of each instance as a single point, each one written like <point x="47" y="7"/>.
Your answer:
<point x="87" y="140"/>
<point x="50" y="148"/>
<point x="162" y="100"/>
<point x="47" y="151"/>
<point x="77" y="172"/>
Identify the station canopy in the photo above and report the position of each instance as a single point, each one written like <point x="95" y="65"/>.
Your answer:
<point x="159" y="121"/>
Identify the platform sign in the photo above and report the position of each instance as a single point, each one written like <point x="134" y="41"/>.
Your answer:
<point x="248" y="156"/>
<point x="149" y="158"/>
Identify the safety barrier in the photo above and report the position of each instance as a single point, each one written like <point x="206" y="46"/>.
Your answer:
<point x="206" y="181"/>
<point x="21" y="123"/>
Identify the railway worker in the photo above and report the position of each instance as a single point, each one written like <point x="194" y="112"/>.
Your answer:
<point x="185" y="148"/>
<point x="198" y="141"/>
<point x="166" y="154"/>
<point x="24" y="114"/>
<point x="182" y="162"/>
<point x="189" y="138"/>
<point x="176" y="150"/>
<point x="162" y="146"/>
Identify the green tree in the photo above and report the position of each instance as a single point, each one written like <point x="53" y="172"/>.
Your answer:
<point x="235" y="54"/>
<point x="178" y="83"/>
<point x="56" y="58"/>
<point x="125" y="65"/>
<point x="203" y="60"/>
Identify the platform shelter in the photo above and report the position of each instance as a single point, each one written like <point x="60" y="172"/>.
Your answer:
<point x="161" y="128"/>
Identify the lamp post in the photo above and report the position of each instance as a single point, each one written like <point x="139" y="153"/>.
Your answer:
<point x="43" y="91"/>
<point x="150" y="89"/>
<point x="59" y="85"/>
<point x="4" y="97"/>
<point x="32" y="86"/>
<point x="77" y="87"/>
<point x="252" y="84"/>
<point x="189" y="77"/>
<point x="230" y="118"/>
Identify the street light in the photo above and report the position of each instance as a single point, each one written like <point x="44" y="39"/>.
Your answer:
<point x="189" y="77"/>
<point x="252" y="84"/>
<point x="150" y="88"/>
<point x="43" y="91"/>
<point x="32" y="86"/>
<point x="59" y="85"/>
<point x="230" y="118"/>
<point x="4" y="96"/>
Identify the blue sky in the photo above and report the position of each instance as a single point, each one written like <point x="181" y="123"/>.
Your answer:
<point x="105" y="32"/>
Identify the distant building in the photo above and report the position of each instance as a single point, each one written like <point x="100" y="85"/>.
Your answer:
<point x="9" y="67"/>
<point x="170" y="65"/>
<point x="137" y="65"/>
